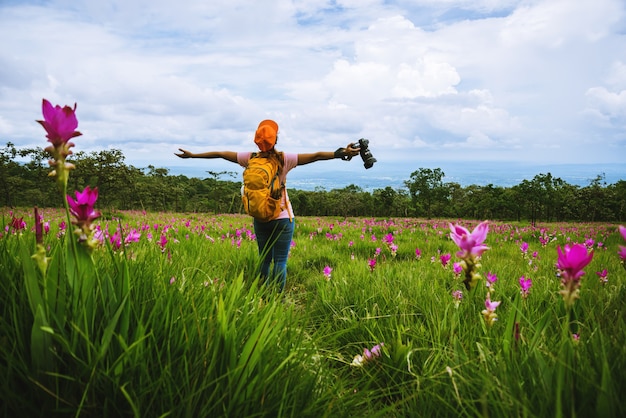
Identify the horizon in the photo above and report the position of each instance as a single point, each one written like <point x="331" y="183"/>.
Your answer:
<point x="502" y="174"/>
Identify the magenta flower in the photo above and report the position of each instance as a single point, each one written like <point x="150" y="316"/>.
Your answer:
<point x="418" y="253"/>
<point x="571" y="263"/>
<point x="18" y="224"/>
<point x="524" y="247"/>
<point x="457" y="295"/>
<point x="368" y="355"/>
<point x="83" y="206"/>
<point x="602" y="275"/>
<point x="327" y="271"/>
<point x="388" y="239"/>
<point x="471" y="244"/>
<point x="525" y="285"/>
<point x="491" y="279"/>
<point x="489" y="313"/>
<point x="371" y="263"/>
<point x="622" y="249"/>
<point x="116" y="240"/>
<point x="59" y="122"/>
<point x="445" y="259"/>
<point x="572" y="260"/>
<point x="457" y="269"/>
<point x="132" y="236"/>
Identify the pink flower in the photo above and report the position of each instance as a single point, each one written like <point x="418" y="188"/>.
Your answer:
<point x="163" y="242"/>
<point x="457" y="268"/>
<point x="471" y="244"/>
<point x="489" y="313"/>
<point x="491" y="279"/>
<point x="371" y="263"/>
<point x="132" y="236"/>
<point x="570" y="263"/>
<point x="82" y="208"/>
<point x="525" y="285"/>
<point x="622" y="249"/>
<point x="327" y="271"/>
<point x="418" y="253"/>
<point x="602" y="275"/>
<point x="59" y="122"/>
<point x="524" y="247"/>
<point x="18" y="224"/>
<point x="388" y="239"/>
<point x="445" y="259"/>
<point x="573" y="260"/>
<point x="368" y="355"/>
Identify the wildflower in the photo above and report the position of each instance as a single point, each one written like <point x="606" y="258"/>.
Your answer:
<point x="132" y="236"/>
<point x="116" y="240"/>
<point x="163" y="242"/>
<point x="60" y="124"/>
<point x="371" y="263"/>
<point x="388" y="239"/>
<point x="457" y="269"/>
<point x="471" y="247"/>
<point x="524" y="248"/>
<point x="40" y="253"/>
<point x="327" y="271"/>
<point x="570" y="264"/>
<point x="445" y="259"/>
<point x="172" y="280"/>
<point x="491" y="279"/>
<point x="418" y="253"/>
<point x="602" y="275"/>
<point x="471" y="244"/>
<point x="458" y="297"/>
<point x="525" y="285"/>
<point x="622" y="249"/>
<point x="18" y="224"/>
<point x="82" y="208"/>
<point x="368" y="355"/>
<point x="489" y="313"/>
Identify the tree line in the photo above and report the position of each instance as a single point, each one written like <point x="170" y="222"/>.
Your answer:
<point x="24" y="182"/>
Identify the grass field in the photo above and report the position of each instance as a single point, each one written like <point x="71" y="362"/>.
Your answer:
<point x="164" y="316"/>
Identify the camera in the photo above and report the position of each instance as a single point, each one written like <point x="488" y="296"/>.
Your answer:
<point x="366" y="154"/>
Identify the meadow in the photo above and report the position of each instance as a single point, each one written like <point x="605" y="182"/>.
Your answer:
<point x="162" y="314"/>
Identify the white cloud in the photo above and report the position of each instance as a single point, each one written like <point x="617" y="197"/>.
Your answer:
<point x="499" y="76"/>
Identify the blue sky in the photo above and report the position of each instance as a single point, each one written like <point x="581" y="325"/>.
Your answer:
<point x="538" y="82"/>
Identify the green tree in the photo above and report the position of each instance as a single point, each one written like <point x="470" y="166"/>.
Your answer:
<point x="427" y="190"/>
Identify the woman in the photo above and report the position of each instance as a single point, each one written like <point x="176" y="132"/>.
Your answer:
<point x="274" y="237"/>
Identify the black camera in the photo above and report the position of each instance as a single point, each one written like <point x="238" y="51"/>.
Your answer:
<point x="366" y="154"/>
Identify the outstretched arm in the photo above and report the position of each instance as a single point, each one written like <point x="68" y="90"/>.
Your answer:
<point x="227" y="155"/>
<point x="327" y="155"/>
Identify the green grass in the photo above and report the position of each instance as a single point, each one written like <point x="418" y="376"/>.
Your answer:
<point x="187" y="330"/>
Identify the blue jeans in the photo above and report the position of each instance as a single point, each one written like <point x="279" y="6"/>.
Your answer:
<point x="274" y="240"/>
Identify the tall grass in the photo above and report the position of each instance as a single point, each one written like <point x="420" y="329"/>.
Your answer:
<point x="203" y="338"/>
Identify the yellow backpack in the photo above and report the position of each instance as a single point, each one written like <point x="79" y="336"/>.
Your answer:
<point x="262" y="188"/>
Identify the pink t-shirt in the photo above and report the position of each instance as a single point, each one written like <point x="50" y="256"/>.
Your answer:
<point x="290" y="161"/>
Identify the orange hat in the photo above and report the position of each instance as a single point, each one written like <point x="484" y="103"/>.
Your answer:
<point x="265" y="136"/>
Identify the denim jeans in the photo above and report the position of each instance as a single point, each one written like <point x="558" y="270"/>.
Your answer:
<point x="274" y="240"/>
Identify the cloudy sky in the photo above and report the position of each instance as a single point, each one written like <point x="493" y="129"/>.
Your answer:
<point x="538" y="81"/>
